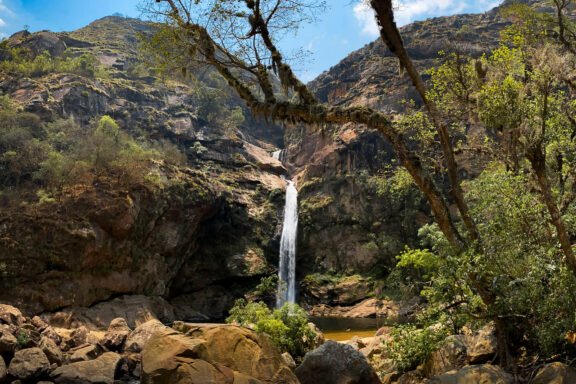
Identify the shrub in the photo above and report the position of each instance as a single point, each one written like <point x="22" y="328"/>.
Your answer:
<point x="287" y="327"/>
<point x="411" y="346"/>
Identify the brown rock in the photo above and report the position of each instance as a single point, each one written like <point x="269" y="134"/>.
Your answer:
<point x="555" y="373"/>
<point x="138" y="338"/>
<point x="101" y="370"/>
<point x="116" y="335"/>
<point x="8" y="341"/>
<point x="335" y="363"/>
<point x="450" y="355"/>
<point x="50" y="333"/>
<point x="51" y="350"/>
<point x="474" y="374"/>
<point x="11" y="315"/>
<point x="135" y="309"/>
<point x="29" y="364"/>
<point x="3" y="370"/>
<point x="204" y="355"/>
<point x="85" y="353"/>
<point x="289" y="360"/>
<point x="40" y="324"/>
<point x="78" y="337"/>
<point x="482" y="345"/>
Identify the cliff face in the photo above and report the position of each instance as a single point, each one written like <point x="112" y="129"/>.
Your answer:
<point x="200" y="236"/>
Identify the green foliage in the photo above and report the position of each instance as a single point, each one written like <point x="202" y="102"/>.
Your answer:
<point x="22" y="339"/>
<point x="418" y="263"/>
<point x="63" y="153"/>
<point x="267" y="287"/>
<point x="24" y="63"/>
<point x="287" y="327"/>
<point x="410" y="346"/>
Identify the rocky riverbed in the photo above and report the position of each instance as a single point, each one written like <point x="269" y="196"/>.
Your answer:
<point x="34" y="351"/>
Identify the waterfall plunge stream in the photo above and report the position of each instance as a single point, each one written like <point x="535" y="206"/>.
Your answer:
<point x="287" y="266"/>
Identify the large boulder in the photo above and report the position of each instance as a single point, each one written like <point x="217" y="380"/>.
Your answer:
<point x="474" y="374"/>
<point x="11" y="315"/>
<point x="482" y="345"/>
<point x="212" y="354"/>
<point x="137" y="339"/>
<point x="102" y="370"/>
<point x="116" y="334"/>
<point x="460" y="350"/>
<point x="8" y="341"/>
<point x="555" y="373"/>
<point x="450" y="355"/>
<point x="29" y="364"/>
<point x="51" y="350"/>
<point x="335" y="363"/>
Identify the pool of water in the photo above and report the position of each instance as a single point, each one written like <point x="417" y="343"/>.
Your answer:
<point x="345" y="328"/>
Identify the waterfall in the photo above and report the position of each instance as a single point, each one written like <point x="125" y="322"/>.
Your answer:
<point x="280" y="155"/>
<point x="287" y="266"/>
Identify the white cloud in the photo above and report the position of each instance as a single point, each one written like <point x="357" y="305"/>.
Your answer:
<point x="2" y="23"/>
<point x="406" y="11"/>
<point x="365" y="17"/>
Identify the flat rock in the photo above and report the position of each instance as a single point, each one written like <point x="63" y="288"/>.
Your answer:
<point x="474" y="374"/>
<point x="101" y="370"/>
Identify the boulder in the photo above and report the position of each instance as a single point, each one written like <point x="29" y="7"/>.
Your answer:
<point x="137" y="339"/>
<point x="289" y="360"/>
<point x="335" y="363"/>
<point x="450" y="355"/>
<point x="555" y="373"/>
<point x="482" y="345"/>
<point x="3" y="370"/>
<point x="85" y="352"/>
<point x="135" y="309"/>
<point x="101" y="370"/>
<point x="11" y="315"/>
<point x="51" y="350"/>
<point x="116" y="335"/>
<point x="8" y="341"/>
<point x="78" y="337"/>
<point x="40" y="324"/>
<point x="29" y="364"/>
<point x="474" y="374"/>
<point x="205" y="355"/>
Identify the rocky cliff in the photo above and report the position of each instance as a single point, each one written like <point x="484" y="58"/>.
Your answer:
<point x="201" y="235"/>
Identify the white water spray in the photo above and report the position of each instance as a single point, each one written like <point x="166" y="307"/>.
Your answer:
<point x="287" y="266"/>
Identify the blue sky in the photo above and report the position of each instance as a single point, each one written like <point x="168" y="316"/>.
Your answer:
<point x="346" y="26"/>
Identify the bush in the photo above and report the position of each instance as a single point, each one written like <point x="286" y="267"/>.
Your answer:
<point x="287" y="327"/>
<point x="411" y="346"/>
